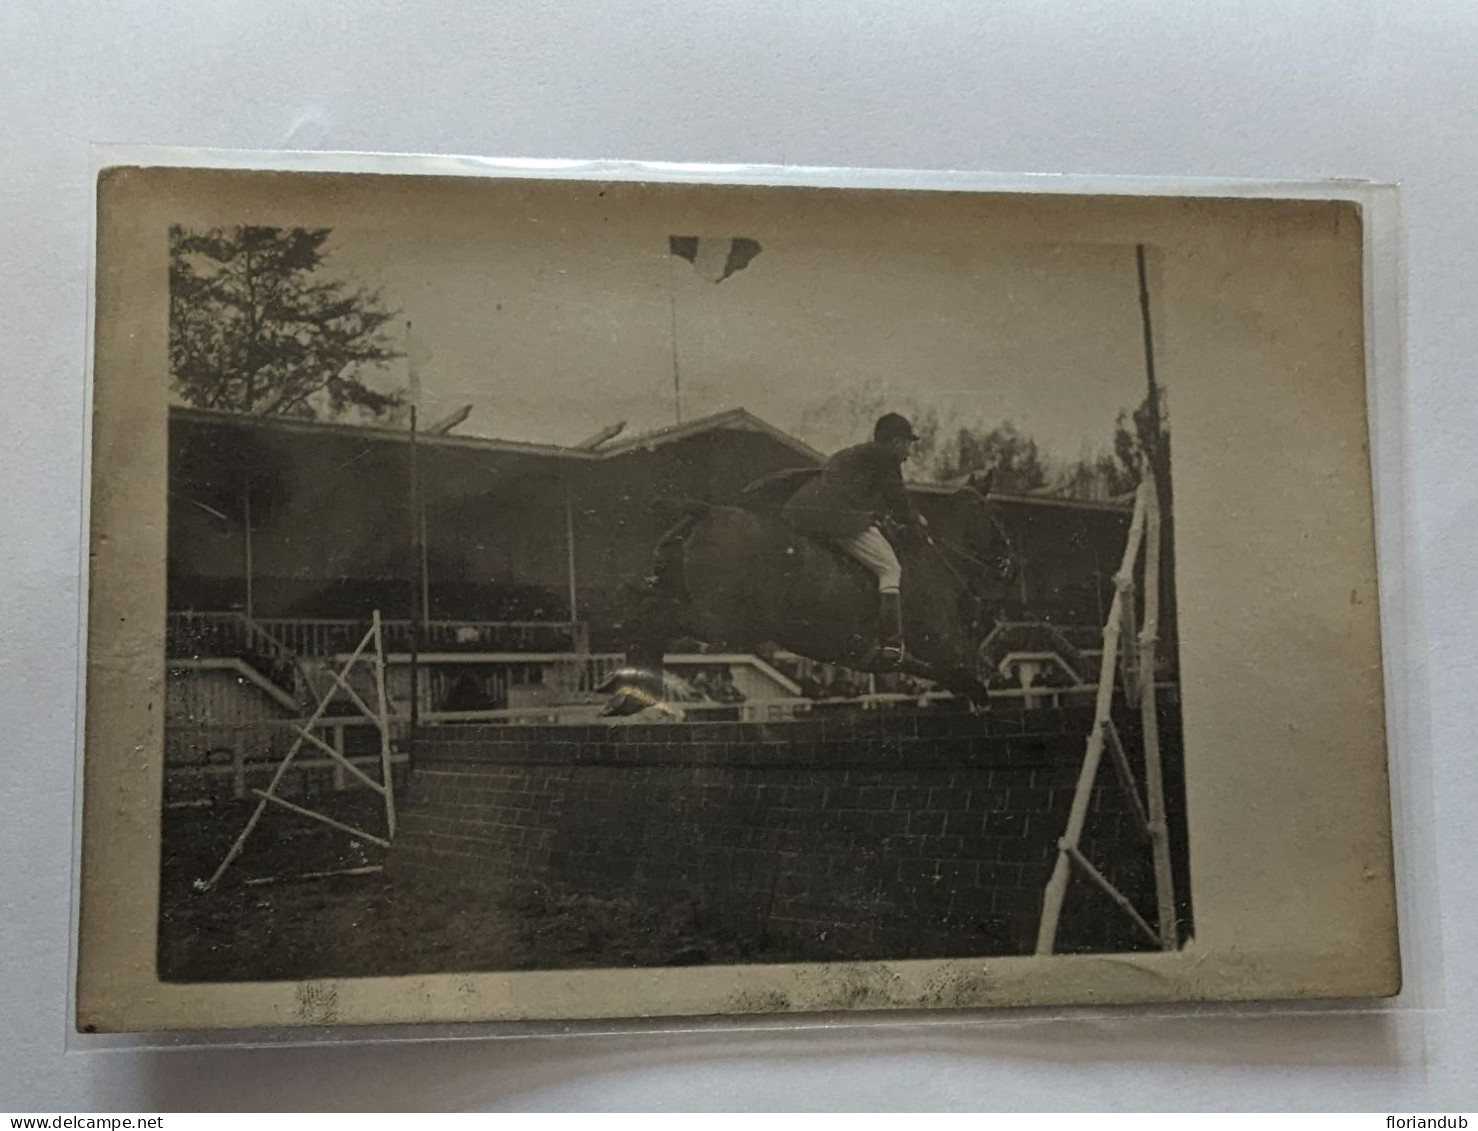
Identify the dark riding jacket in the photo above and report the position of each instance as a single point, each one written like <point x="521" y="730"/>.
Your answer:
<point x="856" y="487"/>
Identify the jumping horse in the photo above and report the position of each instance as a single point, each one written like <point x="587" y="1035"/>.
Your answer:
<point x="738" y="577"/>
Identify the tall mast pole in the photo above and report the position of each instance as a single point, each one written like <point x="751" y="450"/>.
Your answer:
<point x="1157" y="496"/>
<point x="1149" y="360"/>
<point x="677" y="383"/>
<point x="417" y="561"/>
<point x="246" y="538"/>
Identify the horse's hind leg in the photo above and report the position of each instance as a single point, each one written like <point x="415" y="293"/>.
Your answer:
<point x="959" y="683"/>
<point x="654" y="621"/>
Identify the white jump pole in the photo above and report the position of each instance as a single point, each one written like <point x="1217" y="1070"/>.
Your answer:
<point x="1154" y="782"/>
<point x="1056" y="890"/>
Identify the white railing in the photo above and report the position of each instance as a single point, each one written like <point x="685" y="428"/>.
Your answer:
<point x="769" y="710"/>
<point x="231" y="633"/>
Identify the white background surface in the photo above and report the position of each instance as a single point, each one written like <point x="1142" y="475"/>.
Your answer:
<point x="1352" y="88"/>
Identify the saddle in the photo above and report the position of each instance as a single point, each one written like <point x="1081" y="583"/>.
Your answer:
<point x="767" y="497"/>
<point x="769" y="494"/>
<point x="776" y="489"/>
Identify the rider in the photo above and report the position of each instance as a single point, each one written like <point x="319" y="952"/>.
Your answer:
<point x="844" y="503"/>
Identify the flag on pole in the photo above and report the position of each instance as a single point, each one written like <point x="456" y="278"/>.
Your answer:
<point x="714" y="259"/>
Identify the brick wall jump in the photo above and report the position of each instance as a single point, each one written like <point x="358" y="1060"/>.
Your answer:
<point x="924" y="835"/>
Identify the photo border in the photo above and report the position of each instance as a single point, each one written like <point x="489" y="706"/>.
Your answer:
<point x="1403" y="683"/>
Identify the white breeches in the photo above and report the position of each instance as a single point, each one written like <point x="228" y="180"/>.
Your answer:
<point x="874" y="551"/>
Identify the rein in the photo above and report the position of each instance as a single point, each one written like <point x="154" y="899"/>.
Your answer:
<point x="940" y="545"/>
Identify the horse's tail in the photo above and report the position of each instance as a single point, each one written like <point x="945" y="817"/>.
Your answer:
<point x="666" y="580"/>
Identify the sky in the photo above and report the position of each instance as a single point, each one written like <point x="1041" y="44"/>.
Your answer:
<point x="552" y="332"/>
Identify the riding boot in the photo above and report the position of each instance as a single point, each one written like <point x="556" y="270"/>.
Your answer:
<point x="890" y="627"/>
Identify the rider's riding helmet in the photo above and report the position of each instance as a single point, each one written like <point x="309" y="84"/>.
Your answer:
<point x="893" y="427"/>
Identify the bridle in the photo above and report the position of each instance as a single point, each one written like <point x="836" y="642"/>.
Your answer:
<point x="943" y="547"/>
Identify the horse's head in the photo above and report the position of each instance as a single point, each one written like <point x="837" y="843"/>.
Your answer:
<point x="975" y="550"/>
<point x="977" y="534"/>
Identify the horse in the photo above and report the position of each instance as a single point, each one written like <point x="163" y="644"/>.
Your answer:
<point x="737" y="576"/>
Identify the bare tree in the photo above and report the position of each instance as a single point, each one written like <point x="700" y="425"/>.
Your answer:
<point x="1019" y="464"/>
<point x="847" y="415"/>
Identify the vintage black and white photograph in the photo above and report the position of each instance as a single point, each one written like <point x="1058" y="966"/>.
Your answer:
<point x="606" y="576"/>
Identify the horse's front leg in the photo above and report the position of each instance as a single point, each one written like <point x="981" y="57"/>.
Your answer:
<point x="972" y="691"/>
<point x="954" y="680"/>
<point x="966" y="686"/>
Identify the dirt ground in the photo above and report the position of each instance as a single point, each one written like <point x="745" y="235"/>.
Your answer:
<point x="367" y="926"/>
